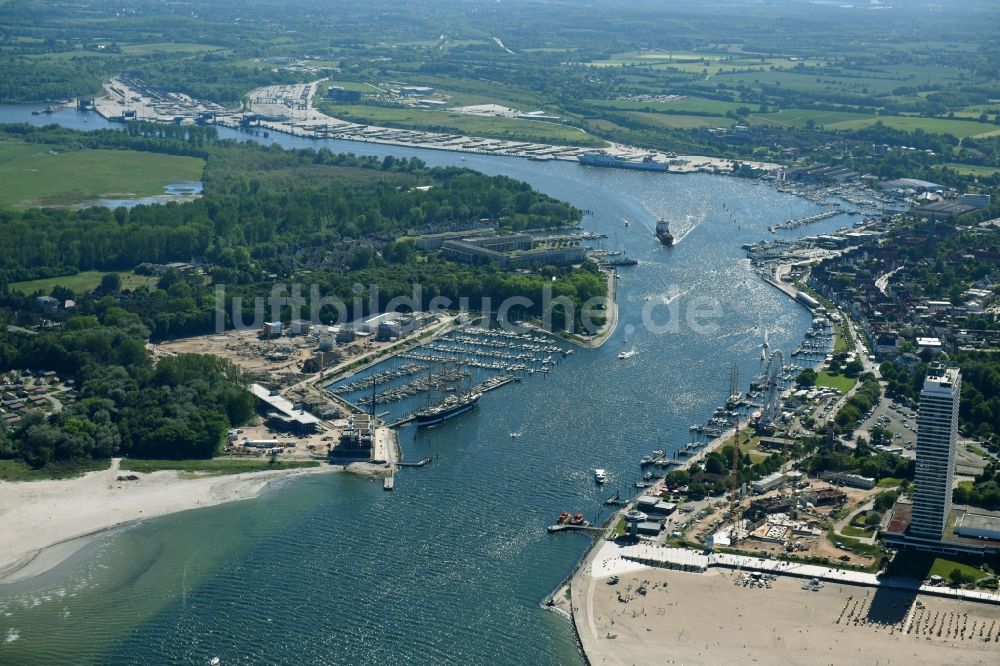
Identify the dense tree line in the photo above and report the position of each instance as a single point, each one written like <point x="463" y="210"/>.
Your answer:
<point x="979" y="410"/>
<point x="863" y="401"/>
<point x="263" y="199"/>
<point x="862" y="459"/>
<point x="984" y="491"/>
<point x="178" y="408"/>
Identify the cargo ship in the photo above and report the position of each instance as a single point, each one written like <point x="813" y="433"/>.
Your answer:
<point x="452" y="406"/>
<point x="610" y="161"/>
<point x="663" y="233"/>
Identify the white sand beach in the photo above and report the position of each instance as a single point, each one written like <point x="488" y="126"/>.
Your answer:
<point x="711" y="618"/>
<point x="44" y="522"/>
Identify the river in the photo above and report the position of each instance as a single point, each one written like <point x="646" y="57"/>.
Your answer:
<point x="451" y="566"/>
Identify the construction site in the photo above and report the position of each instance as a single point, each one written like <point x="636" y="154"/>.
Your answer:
<point x="289" y="367"/>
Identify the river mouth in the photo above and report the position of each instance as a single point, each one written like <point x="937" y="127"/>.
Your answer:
<point x="450" y="567"/>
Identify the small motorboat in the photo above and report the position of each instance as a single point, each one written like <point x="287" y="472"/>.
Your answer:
<point x="600" y="475"/>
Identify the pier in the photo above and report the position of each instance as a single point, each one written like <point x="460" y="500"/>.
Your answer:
<point x="420" y="463"/>
<point x="802" y="221"/>
<point x="484" y="387"/>
<point x="586" y="528"/>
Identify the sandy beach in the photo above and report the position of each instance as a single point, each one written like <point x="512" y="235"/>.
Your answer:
<point x="44" y="522"/>
<point x="711" y="618"/>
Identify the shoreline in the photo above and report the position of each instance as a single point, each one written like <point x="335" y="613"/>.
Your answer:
<point x="722" y="616"/>
<point x="46" y="522"/>
<point x="118" y="97"/>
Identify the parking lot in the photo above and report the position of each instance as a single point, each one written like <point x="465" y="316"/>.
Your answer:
<point x="898" y="419"/>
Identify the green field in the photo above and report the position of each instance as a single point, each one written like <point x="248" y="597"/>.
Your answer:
<point x="970" y="169"/>
<point x="447" y="121"/>
<point x="689" y="104"/>
<point x="18" y="470"/>
<point x="214" y="466"/>
<point x="958" y="128"/>
<point x="921" y="566"/>
<point x="33" y="175"/>
<point x="800" y="117"/>
<point x="352" y="85"/>
<point x="677" y="121"/>
<point x="80" y="283"/>
<point x="808" y="81"/>
<point x="841" y="342"/>
<point x="168" y="47"/>
<point x="839" y="382"/>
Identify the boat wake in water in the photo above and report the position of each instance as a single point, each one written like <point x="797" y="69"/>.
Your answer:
<point x="685" y="232"/>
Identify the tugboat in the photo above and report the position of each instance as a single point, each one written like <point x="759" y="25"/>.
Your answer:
<point x="563" y="517"/>
<point x="576" y="520"/>
<point x="663" y="233"/>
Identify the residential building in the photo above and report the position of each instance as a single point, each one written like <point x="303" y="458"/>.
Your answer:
<point x="936" y="435"/>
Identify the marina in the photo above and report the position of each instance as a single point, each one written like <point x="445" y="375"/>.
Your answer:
<point x="590" y="410"/>
<point x="430" y="372"/>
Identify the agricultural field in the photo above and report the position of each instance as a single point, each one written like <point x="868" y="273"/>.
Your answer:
<point x="34" y="175"/>
<point x="678" y="121"/>
<point x="971" y="169"/>
<point x="168" y="47"/>
<point x="958" y="128"/>
<point x="80" y="283"/>
<point x="682" y="104"/>
<point x="707" y="63"/>
<point x="801" y="117"/>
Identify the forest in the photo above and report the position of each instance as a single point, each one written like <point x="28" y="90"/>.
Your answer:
<point x="270" y="215"/>
<point x="180" y="407"/>
<point x="268" y="201"/>
<point x="262" y="210"/>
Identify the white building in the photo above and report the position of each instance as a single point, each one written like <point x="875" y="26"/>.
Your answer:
<point x="936" y="434"/>
<point x="767" y="483"/>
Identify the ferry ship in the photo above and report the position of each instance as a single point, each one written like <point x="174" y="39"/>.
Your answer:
<point x="452" y="406"/>
<point x="600" y="159"/>
<point x="663" y="233"/>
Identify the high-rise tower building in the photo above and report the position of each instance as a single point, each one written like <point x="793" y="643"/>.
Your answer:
<point x="937" y="431"/>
